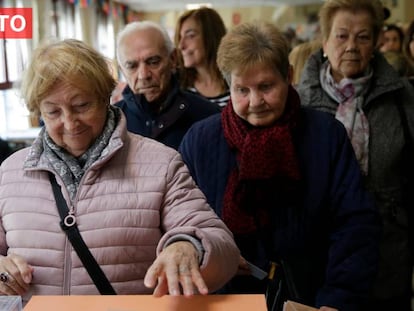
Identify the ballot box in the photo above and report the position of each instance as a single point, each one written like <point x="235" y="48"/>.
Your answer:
<point x="147" y="303"/>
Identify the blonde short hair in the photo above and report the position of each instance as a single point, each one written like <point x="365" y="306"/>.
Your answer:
<point x="299" y="56"/>
<point x="68" y="61"/>
<point x="331" y="7"/>
<point x="250" y="44"/>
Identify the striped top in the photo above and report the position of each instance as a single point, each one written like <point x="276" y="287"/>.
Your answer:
<point x="220" y="100"/>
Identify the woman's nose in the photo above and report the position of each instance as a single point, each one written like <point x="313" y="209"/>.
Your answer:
<point x="351" y="45"/>
<point x="256" y="99"/>
<point x="181" y="44"/>
<point x="70" y="120"/>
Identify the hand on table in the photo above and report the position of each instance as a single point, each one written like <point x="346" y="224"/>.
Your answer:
<point x="15" y="275"/>
<point x="177" y="266"/>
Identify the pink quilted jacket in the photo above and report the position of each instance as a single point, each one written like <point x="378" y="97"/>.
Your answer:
<point x="136" y="196"/>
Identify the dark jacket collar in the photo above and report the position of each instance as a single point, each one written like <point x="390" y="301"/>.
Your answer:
<point x="140" y="102"/>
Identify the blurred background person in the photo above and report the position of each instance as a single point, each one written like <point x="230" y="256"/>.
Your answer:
<point x="154" y="104"/>
<point x="299" y="55"/>
<point x="197" y="36"/>
<point x="132" y="198"/>
<point x="398" y="61"/>
<point x="352" y="81"/>
<point x="285" y="181"/>
<point x="392" y="38"/>
<point x="292" y="38"/>
<point x="408" y="49"/>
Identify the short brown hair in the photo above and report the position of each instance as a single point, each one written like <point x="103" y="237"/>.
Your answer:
<point x="250" y="44"/>
<point x="331" y="7"/>
<point x="69" y="61"/>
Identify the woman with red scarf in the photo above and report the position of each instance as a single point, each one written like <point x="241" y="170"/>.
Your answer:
<point x="285" y="180"/>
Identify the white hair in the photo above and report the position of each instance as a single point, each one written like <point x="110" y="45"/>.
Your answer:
<point x="144" y="25"/>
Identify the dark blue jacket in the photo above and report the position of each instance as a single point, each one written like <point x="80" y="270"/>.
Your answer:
<point x="5" y="150"/>
<point x="181" y="110"/>
<point x="329" y="241"/>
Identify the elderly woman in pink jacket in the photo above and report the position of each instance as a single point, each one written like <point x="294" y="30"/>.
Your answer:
<point x="131" y="199"/>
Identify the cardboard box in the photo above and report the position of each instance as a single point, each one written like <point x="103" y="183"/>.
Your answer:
<point x="147" y="303"/>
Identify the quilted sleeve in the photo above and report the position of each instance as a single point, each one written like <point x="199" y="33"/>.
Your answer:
<point x="185" y="211"/>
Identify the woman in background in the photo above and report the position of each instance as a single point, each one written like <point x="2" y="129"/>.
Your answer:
<point x="299" y="55"/>
<point x="392" y="39"/>
<point x="353" y="82"/>
<point x="197" y="36"/>
<point x="408" y="50"/>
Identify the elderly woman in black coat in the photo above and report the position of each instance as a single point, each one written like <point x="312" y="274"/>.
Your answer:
<point x="354" y="83"/>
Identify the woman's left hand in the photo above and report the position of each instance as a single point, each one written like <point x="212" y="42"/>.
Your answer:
<point x="15" y="276"/>
<point x="176" y="265"/>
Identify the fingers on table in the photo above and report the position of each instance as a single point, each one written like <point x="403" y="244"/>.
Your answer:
<point x="11" y="285"/>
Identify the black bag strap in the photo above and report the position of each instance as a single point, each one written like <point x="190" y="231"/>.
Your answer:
<point x="68" y="225"/>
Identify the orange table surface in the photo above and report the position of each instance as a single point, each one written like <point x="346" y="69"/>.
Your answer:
<point x="147" y="303"/>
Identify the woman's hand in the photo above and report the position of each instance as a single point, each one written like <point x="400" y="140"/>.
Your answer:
<point x="176" y="265"/>
<point x="15" y="275"/>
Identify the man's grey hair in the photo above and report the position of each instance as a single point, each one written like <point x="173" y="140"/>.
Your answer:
<point x="143" y="25"/>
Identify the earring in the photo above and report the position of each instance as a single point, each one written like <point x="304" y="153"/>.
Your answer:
<point x="324" y="55"/>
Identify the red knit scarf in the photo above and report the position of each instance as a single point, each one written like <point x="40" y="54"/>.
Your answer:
<point x="267" y="163"/>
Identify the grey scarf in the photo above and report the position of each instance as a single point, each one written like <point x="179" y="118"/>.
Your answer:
<point x="349" y="94"/>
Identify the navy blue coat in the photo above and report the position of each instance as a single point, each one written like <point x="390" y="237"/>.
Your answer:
<point x="330" y="240"/>
<point x="181" y="110"/>
<point x="5" y="150"/>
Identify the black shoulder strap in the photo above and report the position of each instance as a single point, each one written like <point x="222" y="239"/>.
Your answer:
<point x="68" y="225"/>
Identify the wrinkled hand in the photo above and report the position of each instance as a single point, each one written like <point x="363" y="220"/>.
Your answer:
<point x="327" y="309"/>
<point x="176" y="265"/>
<point x="19" y="275"/>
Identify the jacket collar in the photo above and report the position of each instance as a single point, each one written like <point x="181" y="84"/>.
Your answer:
<point x="385" y="78"/>
<point x="137" y="102"/>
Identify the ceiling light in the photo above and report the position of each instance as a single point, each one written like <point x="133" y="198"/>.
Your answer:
<point x="193" y="6"/>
